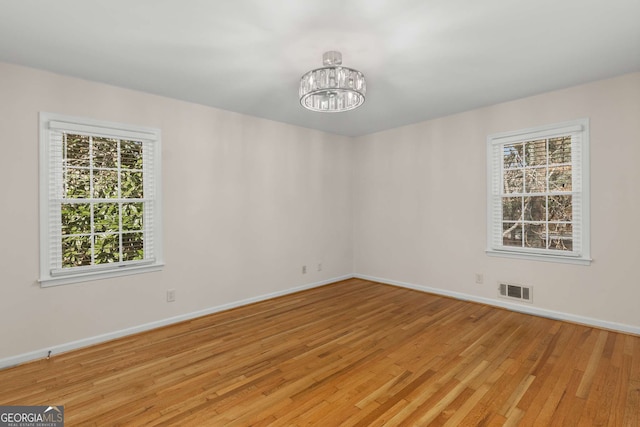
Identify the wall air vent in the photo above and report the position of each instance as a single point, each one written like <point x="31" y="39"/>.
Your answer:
<point x="513" y="291"/>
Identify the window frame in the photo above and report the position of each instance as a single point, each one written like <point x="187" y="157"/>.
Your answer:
<point x="580" y="192"/>
<point x="51" y="123"/>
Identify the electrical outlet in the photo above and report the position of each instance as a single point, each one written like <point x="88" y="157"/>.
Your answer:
<point x="304" y="269"/>
<point x="171" y="295"/>
<point x="319" y="266"/>
<point x="479" y="278"/>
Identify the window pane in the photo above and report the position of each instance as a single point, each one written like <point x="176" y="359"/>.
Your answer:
<point x="535" y="208"/>
<point x="132" y="247"/>
<point x="76" y="218"/>
<point x="77" y="183"/>
<point x="132" y="185"/>
<point x="106" y="217"/>
<point x="87" y="211"/>
<point x="105" y="184"/>
<point x="131" y="154"/>
<point x="536" y="153"/>
<point x="560" y="208"/>
<point x="513" y="180"/>
<point x="105" y="152"/>
<point x="512" y="234"/>
<point x="539" y="179"/>
<point x="560" y="178"/>
<point x="132" y="216"/>
<point x="536" y="180"/>
<point x="560" y="150"/>
<point x="511" y="208"/>
<point x="107" y="248"/>
<point x="535" y="236"/>
<point x="512" y="156"/>
<point x="561" y="237"/>
<point x="76" y="150"/>
<point x="76" y="251"/>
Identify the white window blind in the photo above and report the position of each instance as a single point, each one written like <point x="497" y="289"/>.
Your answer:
<point x="100" y="199"/>
<point x="538" y="200"/>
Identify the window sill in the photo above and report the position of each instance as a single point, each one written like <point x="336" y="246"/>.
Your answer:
<point x="98" y="275"/>
<point x="539" y="257"/>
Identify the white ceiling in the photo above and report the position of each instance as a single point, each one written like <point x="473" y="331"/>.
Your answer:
<point x="421" y="58"/>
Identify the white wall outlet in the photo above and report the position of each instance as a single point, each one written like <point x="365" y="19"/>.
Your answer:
<point x="171" y="295"/>
<point x="304" y="269"/>
<point x="319" y="266"/>
<point x="479" y="278"/>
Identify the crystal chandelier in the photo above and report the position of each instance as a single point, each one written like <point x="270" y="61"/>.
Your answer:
<point x="332" y="88"/>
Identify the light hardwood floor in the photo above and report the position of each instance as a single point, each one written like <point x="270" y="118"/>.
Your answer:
<point x="354" y="353"/>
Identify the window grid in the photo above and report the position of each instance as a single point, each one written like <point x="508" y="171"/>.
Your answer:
<point x="538" y="193"/>
<point x="93" y="202"/>
<point x="523" y="165"/>
<point x="116" y="192"/>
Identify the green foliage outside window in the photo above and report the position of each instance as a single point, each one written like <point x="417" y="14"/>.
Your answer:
<point x="99" y="223"/>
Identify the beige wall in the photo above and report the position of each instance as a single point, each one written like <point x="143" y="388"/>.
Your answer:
<point x="247" y="202"/>
<point x="420" y="205"/>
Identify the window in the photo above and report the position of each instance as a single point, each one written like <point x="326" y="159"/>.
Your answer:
<point x="538" y="195"/>
<point x="100" y="205"/>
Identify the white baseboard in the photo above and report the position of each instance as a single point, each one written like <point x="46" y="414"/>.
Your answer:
<point x="61" y="348"/>
<point x="85" y="342"/>
<point x="551" y="314"/>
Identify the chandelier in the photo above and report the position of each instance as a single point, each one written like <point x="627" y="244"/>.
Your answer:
<point x="332" y="88"/>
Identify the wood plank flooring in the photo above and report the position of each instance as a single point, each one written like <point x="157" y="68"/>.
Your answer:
<point x="354" y="353"/>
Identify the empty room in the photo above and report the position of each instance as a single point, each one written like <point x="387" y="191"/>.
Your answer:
<point x="330" y="213"/>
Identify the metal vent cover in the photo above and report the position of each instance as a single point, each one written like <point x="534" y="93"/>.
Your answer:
<point x="514" y="291"/>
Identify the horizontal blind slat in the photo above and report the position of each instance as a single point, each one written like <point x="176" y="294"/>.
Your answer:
<point x="101" y="131"/>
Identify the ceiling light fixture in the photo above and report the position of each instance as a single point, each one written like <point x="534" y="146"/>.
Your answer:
<point x="332" y="88"/>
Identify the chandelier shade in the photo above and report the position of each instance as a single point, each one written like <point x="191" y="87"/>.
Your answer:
<point x="332" y="88"/>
